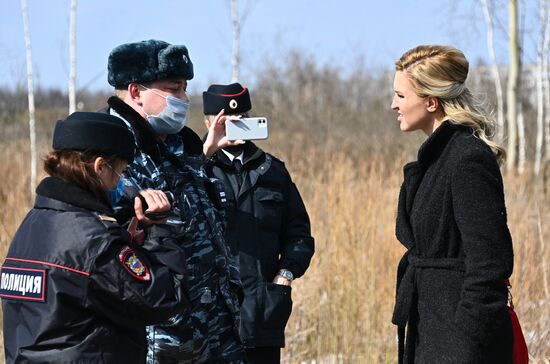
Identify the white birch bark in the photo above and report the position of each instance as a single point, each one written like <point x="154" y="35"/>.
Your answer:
<point x="540" y="116"/>
<point x="522" y="144"/>
<point x="30" y="93"/>
<point x="235" y="54"/>
<point x="72" y="58"/>
<point x="494" y="70"/>
<point x="513" y="83"/>
<point x="546" y="80"/>
<point x="542" y="82"/>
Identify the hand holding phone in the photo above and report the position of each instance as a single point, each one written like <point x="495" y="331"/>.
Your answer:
<point x="247" y="129"/>
<point x="159" y="199"/>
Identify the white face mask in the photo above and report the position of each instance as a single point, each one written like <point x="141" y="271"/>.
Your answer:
<point x="172" y="118"/>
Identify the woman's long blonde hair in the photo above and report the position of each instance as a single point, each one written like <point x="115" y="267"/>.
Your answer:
<point x="441" y="71"/>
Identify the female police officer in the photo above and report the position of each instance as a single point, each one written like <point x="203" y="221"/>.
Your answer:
<point x="74" y="287"/>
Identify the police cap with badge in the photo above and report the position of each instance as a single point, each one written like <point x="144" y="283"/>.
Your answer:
<point x="233" y="98"/>
<point x="148" y="61"/>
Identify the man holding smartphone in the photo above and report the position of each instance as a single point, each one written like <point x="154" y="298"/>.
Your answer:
<point x="150" y="80"/>
<point x="268" y="228"/>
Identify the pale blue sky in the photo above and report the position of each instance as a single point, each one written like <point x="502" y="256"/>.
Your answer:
<point x="331" y="31"/>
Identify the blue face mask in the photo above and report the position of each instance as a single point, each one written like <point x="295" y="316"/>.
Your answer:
<point x="172" y="119"/>
<point x="116" y="193"/>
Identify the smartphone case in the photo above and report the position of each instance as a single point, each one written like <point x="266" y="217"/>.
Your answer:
<point x="247" y="129"/>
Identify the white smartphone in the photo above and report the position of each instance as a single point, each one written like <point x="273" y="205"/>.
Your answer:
<point x="247" y="129"/>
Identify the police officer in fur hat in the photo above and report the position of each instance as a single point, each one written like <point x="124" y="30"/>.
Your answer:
<point x="268" y="227"/>
<point x="74" y="287"/>
<point x="150" y="80"/>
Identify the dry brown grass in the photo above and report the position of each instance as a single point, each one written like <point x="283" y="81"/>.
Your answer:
<point x="342" y="306"/>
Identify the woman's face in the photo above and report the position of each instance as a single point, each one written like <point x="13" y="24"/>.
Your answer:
<point x="110" y="174"/>
<point x="412" y="110"/>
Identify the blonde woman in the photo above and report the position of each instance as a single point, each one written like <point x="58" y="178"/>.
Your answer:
<point x="451" y="297"/>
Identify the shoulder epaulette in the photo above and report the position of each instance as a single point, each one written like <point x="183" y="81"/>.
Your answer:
<point x="107" y="218"/>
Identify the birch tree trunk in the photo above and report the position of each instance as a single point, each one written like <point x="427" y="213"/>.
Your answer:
<point x="546" y="81"/>
<point x="540" y="115"/>
<point x="494" y="69"/>
<point x="522" y="144"/>
<point x="30" y="92"/>
<point x="542" y="82"/>
<point x="235" y="54"/>
<point x="513" y="82"/>
<point x="72" y="58"/>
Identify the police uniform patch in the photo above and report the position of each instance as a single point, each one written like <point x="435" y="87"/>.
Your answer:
<point x="23" y="284"/>
<point x="135" y="266"/>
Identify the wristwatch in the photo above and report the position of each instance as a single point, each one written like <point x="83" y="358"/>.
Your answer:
<point x="285" y="273"/>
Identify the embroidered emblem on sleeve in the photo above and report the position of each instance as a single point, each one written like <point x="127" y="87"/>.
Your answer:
<point x="23" y="284"/>
<point x="131" y="262"/>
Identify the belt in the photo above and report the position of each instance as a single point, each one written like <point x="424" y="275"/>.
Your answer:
<point x="406" y="288"/>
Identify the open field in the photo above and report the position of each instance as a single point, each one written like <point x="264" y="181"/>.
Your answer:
<point x="342" y="306"/>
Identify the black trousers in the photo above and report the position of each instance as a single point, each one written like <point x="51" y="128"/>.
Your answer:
<point x="263" y="355"/>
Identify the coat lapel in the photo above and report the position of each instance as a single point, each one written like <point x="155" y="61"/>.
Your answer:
<point x="412" y="179"/>
<point x="228" y="177"/>
<point x="251" y="176"/>
<point x="413" y="173"/>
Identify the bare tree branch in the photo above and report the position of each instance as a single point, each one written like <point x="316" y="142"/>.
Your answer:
<point x="247" y="10"/>
<point x="487" y="9"/>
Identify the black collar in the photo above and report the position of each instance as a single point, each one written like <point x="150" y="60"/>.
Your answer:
<point x="251" y="152"/>
<point x="146" y="138"/>
<point x="72" y="194"/>
<point x="433" y="146"/>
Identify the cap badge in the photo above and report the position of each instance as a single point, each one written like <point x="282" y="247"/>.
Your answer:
<point x="184" y="57"/>
<point x="233" y="104"/>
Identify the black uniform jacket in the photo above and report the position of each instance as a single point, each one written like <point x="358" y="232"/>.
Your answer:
<point x="452" y="219"/>
<point x="75" y="289"/>
<point x="268" y="228"/>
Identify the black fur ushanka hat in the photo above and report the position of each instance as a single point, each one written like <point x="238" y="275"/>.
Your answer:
<point x="147" y="61"/>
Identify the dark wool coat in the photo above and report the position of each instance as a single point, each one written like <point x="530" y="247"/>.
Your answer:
<point x="268" y="229"/>
<point x="452" y="219"/>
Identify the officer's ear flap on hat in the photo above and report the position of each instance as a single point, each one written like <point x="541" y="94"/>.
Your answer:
<point x="172" y="57"/>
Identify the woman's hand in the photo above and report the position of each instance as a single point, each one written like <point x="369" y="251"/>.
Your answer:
<point x="157" y="201"/>
<point x="216" y="138"/>
<point x="138" y="235"/>
<point x="282" y="280"/>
